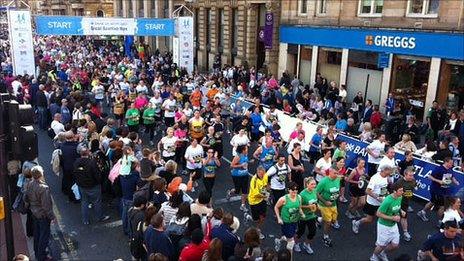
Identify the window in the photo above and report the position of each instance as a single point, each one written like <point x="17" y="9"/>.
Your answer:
<point x="334" y="57"/>
<point x="321" y="6"/>
<point x="370" y="7"/>
<point x="207" y="28"/>
<point x="303" y="7"/>
<point x="235" y="28"/>
<point x="153" y="8"/>
<point x="130" y="10"/>
<point x="221" y="22"/>
<point x="423" y="8"/>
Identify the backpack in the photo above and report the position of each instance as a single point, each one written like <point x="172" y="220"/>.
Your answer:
<point x="114" y="173"/>
<point x="102" y="163"/>
<point x="173" y="229"/>
<point x="20" y="205"/>
<point x="55" y="162"/>
<point x="136" y="242"/>
<point x="144" y="191"/>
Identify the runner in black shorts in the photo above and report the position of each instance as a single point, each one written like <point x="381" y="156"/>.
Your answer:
<point x="240" y="176"/>
<point x="257" y="198"/>
<point x="357" y="188"/>
<point x="409" y="184"/>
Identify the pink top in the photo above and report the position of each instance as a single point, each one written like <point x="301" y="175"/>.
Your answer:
<point x="294" y="134"/>
<point x="272" y="83"/>
<point x="140" y="102"/>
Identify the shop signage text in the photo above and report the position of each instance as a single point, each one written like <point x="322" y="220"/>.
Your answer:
<point x="391" y="41"/>
<point x="426" y="44"/>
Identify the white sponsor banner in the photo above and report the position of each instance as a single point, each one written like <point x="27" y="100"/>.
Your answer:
<point x="22" y="49"/>
<point x="175" y="49"/>
<point x="109" y="26"/>
<point x="185" y="34"/>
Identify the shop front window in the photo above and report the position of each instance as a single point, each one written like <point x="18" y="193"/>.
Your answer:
<point x="451" y="86"/>
<point x="410" y="82"/>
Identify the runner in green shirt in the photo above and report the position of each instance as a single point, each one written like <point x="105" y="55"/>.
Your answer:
<point x="149" y="121"/>
<point x="288" y="211"/>
<point x="328" y="191"/>
<point x="309" y="206"/>
<point x="389" y="213"/>
<point x="340" y="152"/>
<point x="133" y="118"/>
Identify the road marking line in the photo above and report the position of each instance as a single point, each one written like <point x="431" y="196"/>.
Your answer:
<point x="116" y="223"/>
<point x="225" y="200"/>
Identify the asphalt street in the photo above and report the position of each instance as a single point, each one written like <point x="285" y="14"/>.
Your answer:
<point x="106" y="241"/>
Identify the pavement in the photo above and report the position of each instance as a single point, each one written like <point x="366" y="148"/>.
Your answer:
<point x="105" y="241"/>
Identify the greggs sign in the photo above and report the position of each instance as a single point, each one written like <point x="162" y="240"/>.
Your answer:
<point x="391" y="41"/>
<point x="446" y="45"/>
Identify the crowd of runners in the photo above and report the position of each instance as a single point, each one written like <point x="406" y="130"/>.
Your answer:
<point x="142" y="130"/>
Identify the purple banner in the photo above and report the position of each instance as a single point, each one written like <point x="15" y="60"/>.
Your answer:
<point x="261" y="34"/>
<point x="268" y="30"/>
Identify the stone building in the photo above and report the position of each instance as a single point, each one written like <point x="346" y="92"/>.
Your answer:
<point x="92" y="8"/>
<point x="411" y="48"/>
<point x="225" y="28"/>
<point x="230" y="28"/>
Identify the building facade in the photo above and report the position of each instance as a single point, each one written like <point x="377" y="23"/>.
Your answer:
<point x="92" y="8"/>
<point x="411" y="48"/>
<point x="228" y="29"/>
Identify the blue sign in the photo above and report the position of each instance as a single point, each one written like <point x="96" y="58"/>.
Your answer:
<point x="155" y="27"/>
<point x="441" y="45"/>
<point x="76" y="25"/>
<point x="58" y="25"/>
<point x="383" y="60"/>
<point x="357" y="148"/>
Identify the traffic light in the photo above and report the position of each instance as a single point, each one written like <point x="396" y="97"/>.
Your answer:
<point x="23" y="139"/>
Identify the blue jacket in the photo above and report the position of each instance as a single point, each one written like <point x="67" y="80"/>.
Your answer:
<point x="158" y="242"/>
<point x="69" y="155"/>
<point x="367" y="114"/>
<point x="229" y="240"/>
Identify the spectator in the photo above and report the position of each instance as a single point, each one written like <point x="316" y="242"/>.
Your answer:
<point x="155" y="240"/>
<point x="39" y="201"/>
<point x="225" y="233"/>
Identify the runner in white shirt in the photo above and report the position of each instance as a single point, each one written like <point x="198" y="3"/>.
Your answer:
<point x="194" y="156"/>
<point x="167" y="145"/>
<point x="239" y="139"/>
<point x="278" y="174"/>
<point x="374" y="153"/>
<point x="376" y="191"/>
<point x="141" y="87"/>
<point x="323" y="164"/>
<point x="169" y="106"/>
<point x="389" y="160"/>
<point x="99" y="92"/>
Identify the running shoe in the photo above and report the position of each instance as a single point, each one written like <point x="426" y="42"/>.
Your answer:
<point x="421" y="214"/>
<point x="355" y="226"/>
<point x="349" y="215"/>
<point x="308" y="249"/>
<point x="297" y="248"/>
<point x="383" y="256"/>
<point x="327" y="242"/>
<point x="277" y="244"/>
<point x="406" y="236"/>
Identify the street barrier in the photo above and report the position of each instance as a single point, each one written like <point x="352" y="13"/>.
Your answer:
<point x="357" y="148"/>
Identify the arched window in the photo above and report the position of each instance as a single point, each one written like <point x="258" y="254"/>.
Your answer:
<point x="100" y="13"/>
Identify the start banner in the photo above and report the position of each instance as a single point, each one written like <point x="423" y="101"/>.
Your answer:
<point x="77" y="25"/>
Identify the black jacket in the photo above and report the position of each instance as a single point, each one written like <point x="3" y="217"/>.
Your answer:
<point x="86" y="174"/>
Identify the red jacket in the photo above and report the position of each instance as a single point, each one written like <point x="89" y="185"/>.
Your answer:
<point x="192" y="252"/>
<point x="376" y="119"/>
